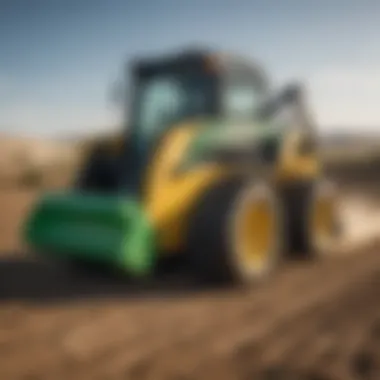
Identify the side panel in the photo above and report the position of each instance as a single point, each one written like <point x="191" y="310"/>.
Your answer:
<point x="171" y="194"/>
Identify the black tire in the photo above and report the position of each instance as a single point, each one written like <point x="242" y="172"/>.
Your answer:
<point x="84" y="267"/>
<point x="298" y="203"/>
<point x="209" y="250"/>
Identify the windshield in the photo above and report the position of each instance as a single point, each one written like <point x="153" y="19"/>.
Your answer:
<point x="166" y="99"/>
<point x="242" y="96"/>
<point x="242" y="101"/>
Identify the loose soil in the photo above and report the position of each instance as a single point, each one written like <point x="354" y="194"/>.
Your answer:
<point x="312" y="320"/>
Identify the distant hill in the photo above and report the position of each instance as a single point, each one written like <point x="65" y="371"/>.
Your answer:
<point x="22" y="156"/>
<point x="34" y="150"/>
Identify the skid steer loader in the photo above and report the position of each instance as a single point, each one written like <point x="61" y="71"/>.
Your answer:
<point x="213" y="169"/>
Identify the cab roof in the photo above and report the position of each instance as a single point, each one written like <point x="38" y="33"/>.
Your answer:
<point x="196" y="59"/>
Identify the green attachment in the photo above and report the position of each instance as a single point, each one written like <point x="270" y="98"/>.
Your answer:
<point x="108" y="229"/>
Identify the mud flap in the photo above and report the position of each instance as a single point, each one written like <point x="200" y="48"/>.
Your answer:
<point x="108" y="229"/>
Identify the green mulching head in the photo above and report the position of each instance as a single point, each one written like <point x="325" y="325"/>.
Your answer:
<point x="108" y="229"/>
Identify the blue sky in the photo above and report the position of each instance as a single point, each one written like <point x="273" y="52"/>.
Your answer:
<point x="58" y="58"/>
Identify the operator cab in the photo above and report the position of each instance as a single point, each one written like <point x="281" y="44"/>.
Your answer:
<point x="192" y="84"/>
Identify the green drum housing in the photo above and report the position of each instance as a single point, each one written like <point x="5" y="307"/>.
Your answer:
<point x="92" y="227"/>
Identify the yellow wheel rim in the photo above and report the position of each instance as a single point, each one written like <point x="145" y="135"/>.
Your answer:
<point x="255" y="234"/>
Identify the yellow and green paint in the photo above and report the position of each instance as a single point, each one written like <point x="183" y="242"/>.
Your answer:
<point x="128" y="230"/>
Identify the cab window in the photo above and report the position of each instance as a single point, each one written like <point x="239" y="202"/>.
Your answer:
<point x="241" y="97"/>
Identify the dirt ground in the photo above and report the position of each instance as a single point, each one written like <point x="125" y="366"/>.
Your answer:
<point x="315" y="321"/>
